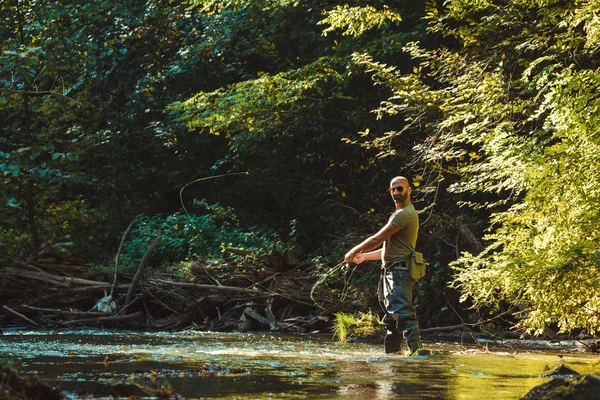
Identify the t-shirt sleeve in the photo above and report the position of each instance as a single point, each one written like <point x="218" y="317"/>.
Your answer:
<point x="399" y="219"/>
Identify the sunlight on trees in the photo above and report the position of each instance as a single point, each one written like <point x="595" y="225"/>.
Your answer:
<point x="515" y="116"/>
<point x="357" y="20"/>
<point x="493" y="107"/>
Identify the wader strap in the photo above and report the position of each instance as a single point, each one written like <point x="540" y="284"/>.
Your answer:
<point x="399" y="264"/>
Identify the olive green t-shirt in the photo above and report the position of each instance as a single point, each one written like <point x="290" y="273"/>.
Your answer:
<point x="399" y="246"/>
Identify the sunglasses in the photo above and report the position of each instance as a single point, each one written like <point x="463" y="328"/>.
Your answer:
<point x="400" y="189"/>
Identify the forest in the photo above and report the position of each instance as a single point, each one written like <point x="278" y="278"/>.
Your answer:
<point x="209" y="162"/>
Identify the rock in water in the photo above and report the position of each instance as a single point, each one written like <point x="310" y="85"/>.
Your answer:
<point x="32" y="388"/>
<point x="586" y="387"/>
<point x="561" y="371"/>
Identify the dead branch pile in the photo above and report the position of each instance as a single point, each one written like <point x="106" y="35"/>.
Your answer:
<point x="252" y="293"/>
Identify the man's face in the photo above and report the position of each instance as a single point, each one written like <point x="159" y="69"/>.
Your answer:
<point x="399" y="191"/>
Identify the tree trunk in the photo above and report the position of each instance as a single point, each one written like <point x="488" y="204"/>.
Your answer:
<point x="31" y="215"/>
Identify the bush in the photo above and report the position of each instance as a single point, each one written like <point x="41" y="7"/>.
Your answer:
<point x="361" y="327"/>
<point x="188" y="236"/>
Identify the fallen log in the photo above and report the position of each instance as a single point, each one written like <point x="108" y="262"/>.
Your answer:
<point x="126" y="306"/>
<point x="66" y="312"/>
<point x="260" y="283"/>
<point x="102" y="320"/>
<point x="65" y="281"/>
<point x="83" y="290"/>
<point x="32" y="322"/>
<point x="140" y="271"/>
<point x="233" y="289"/>
<point x="446" y="328"/>
<point x="265" y="321"/>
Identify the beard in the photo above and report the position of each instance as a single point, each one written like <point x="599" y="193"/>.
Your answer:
<point x="401" y="198"/>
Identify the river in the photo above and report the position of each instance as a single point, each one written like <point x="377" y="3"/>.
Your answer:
<point x="200" y="365"/>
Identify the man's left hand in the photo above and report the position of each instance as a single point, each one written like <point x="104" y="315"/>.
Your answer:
<point x="349" y="257"/>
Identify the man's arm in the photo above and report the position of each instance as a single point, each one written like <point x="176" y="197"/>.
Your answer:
<point x="372" y="255"/>
<point x="372" y="242"/>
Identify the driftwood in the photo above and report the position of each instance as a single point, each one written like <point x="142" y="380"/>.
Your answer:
<point x="248" y="311"/>
<point x="104" y="320"/>
<point x="78" y="292"/>
<point x="260" y="283"/>
<point x="269" y="308"/>
<point x="112" y="289"/>
<point x="128" y="305"/>
<point x="65" y="281"/>
<point x="65" y="312"/>
<point x="212" y="301"/>
<point x="10" y="310"/>
<point x="140" y="270"/>
<point x="450" y="328"/>
<point x="207" y="287"/>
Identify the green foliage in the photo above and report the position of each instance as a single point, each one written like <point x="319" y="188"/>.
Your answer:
<point x="361" y="325"/>
<point x="190" y="236"/>
<point x="544" y="253"/>
<point x="282" y="121"/>
<point x="357" y="20"/>
<point x="77" y="81"/>
<point x="510" y="125"/>
<point x="212" y="7"/>
<point x="238" y="111"/>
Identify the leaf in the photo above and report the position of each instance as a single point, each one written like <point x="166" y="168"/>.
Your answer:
<point x="12" y="202"/>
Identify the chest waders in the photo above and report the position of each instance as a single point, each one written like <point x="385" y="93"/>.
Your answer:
<point x="395" y="298"/>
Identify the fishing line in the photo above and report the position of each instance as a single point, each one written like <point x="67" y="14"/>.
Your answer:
<point x="322" y="279"/>
<point x="185" y="209"/>
<point x="347" y="280"/>
<point x="198" y="232"/>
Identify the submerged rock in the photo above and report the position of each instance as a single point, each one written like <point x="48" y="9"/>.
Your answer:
<point x="119" y="389"/>
<point x="583" y="388"/>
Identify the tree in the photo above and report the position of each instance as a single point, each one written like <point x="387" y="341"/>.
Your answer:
<point x="285" y="116"/>
<point x="511" y="122"/>
<point x="86" y="145"/>
<point x="39" y="48"/>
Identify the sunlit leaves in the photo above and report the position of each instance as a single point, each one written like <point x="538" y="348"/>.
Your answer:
<point x="354" y="21"/>
<point x="248" y="110"/>
<point x="514" y="114"/>
<point x="545" y="243"/>
<point x="211" y="7"/>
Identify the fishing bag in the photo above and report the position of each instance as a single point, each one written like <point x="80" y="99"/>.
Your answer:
<point x="417" y="265"/>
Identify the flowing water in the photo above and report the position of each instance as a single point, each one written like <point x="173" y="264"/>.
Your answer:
<point x="268" y="366"/>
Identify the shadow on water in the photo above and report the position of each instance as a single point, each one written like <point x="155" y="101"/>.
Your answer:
<point x="256" y="365"/>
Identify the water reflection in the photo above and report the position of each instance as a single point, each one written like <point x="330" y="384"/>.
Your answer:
<point x="398" y="379"/>
<point x="217" y="365"/>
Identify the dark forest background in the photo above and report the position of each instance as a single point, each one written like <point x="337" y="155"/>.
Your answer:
<point x="110" y="109"/>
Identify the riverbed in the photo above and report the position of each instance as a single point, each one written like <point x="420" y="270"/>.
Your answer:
<point x="201" y="365"/>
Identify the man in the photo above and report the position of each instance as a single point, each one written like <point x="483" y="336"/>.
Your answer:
<point x="399" y="238"/>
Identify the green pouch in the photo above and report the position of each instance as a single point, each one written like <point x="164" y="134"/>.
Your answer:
<point x="417" y="265"/>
